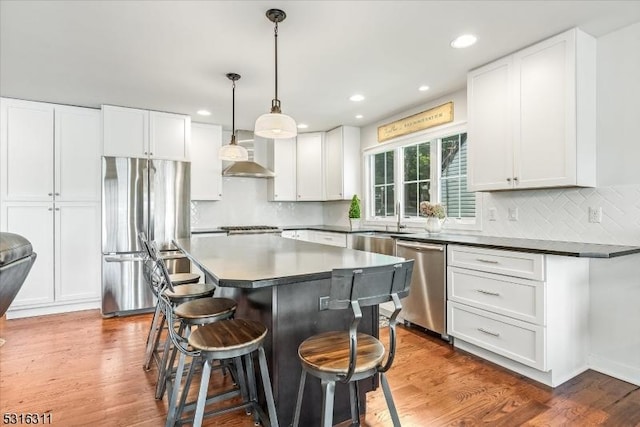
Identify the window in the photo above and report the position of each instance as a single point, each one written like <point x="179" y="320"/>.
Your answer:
<point x="383" y="184"/>
<point x="453" y="178"/>
<point x="431" y="169"/>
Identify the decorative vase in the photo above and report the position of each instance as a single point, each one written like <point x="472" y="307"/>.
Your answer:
<point x="355" y="223"/>
<point x="433" y="225"/>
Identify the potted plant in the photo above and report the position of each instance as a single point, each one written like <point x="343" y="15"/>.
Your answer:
<point x="435" y="214"/>
<point x="354" y="212"/>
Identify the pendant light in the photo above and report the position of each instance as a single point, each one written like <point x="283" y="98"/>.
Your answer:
<point x="233" y="152"/>
<point x="276" y="125"/>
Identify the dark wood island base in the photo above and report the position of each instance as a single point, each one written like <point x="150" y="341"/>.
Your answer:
<point x="291" y="312"/>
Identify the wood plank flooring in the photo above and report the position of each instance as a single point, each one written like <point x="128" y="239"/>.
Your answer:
<point x="86" y="370"/>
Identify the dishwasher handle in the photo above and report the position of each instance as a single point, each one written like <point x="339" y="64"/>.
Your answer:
<point x="420" y="246"/>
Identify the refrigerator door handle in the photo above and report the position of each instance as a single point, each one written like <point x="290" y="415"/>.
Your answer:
<point x="149" y="200"/>
<point x="123" y="259"/>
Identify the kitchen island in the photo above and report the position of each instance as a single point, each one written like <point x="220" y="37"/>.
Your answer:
<point x="279" y="282"/>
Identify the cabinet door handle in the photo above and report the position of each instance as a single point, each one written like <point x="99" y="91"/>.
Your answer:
<point x="57" y="209"/>
<point x="145" y="153"/>
<point x="49" y="194"/>
<point x="515" y="179"/>
<point x="482" y="291"/>
<point x="50" y="209"/>
<point x="57" y="194"/>
<point x="488" y="261"/>
<point x="493" y="334"/>
<point x="508" y="179"/>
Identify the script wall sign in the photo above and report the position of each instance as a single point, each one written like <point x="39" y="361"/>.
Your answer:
<point x="432" y="117"/>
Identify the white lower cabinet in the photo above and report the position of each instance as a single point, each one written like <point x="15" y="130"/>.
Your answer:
<point x="328" y="238"/>
<point x="66" y="273"/>
<point x="316" y="236"/>
<point x="527" y="312"/>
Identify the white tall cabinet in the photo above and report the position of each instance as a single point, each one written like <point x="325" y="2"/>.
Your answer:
<point x="130" y="132"/>
<point x="50" y="193"/>
<point x="310" y="166"/>
<point x="206" y="166"/>
<point x="281" y="159"/>
<point x="342" y="163"/>
<point x="532" y="117"/>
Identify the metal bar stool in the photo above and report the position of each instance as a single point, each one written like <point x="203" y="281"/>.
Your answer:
<point x="157" y="322"/>
<point x="229" y="340"/>
<point x="348" y="357"/>
<point x="197" y="307"/>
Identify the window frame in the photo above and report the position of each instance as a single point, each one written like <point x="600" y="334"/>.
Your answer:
<point x="397" y="145"/>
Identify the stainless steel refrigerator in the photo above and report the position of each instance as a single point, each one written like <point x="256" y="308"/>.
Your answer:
<point x="140" y="195"/>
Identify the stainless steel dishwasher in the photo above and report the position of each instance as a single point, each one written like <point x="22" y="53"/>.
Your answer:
<point x="426" y="304"/>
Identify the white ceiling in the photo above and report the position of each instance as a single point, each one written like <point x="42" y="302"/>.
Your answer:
<point x="173" y="55"/>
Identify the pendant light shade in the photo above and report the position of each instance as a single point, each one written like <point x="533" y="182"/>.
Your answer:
<point x="276" y="125"/>
<point x="233" y="152"/>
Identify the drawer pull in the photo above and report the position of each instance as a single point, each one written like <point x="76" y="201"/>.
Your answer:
<point x="482" y="291"/>
<point x="493" y="334"/>
<point x="488" y="261"/>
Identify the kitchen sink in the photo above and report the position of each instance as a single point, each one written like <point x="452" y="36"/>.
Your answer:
<point x="380" y="242"/>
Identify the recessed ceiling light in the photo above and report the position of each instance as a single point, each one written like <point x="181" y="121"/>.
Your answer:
<point x="356" y="98"/>
<point x="423" y="88"/>
<point x="302" y="126"/>
<point x="463" y="41"/>
<point x="359" y="116"/>
<point x="204" y="112"/>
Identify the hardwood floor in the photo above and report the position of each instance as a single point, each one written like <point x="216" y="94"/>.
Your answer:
<point x="86" y="370"/>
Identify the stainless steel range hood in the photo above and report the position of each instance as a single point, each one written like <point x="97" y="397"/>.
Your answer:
<point x="248" y="169"/>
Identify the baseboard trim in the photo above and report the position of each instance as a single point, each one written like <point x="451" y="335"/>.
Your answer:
<point x="20" y="313"/>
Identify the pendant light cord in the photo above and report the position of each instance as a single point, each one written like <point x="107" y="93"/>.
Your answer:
<point x="233" y="113"/>
<point x="275" y="105"/>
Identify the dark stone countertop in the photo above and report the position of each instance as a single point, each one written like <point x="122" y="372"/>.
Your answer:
<point x="550" y="247"/>
<point x="332" y="228"/>
<point x="260" y="260"/>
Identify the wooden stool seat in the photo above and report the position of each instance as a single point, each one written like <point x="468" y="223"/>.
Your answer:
<point x="196" y="290"/>
<point x="227" y="335"/>
<point x="184" y="278"/>
<point x="329" y="352"/>
<point x="205" y="308"/>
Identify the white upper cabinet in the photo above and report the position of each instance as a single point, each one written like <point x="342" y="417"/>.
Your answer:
<point x="125" y="132"/>
<point x="490" y="123"/>
<point x="170" y="136"/>
<point x="206" y="166"/>
<point x="281" y="159"/>
<point x="130" y="132"/>
<point x="26" y="150"/>
<point x="77" y="155"/>
<point x="532" y="117"/>
<point x="49" y="151"/>
<point x="309" y="156"/>
<point x="342" y="163"/>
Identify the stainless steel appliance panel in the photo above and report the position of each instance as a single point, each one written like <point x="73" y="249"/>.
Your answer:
<point x="123" y="285"/>
<point x="140" y="195"/>
<point x="123" y="203"/>
<point x="426" y="304"/>
<point x="169" y="201"/>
